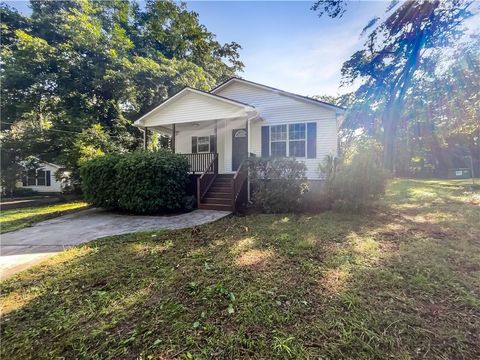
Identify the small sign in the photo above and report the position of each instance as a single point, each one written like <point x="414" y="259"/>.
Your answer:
<point x="240" y="133"/>
<point x="458" y="173"/>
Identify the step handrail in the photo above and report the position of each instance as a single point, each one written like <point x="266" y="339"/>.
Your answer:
<point x="238" y="181"/>
<point x="207" y="178"/>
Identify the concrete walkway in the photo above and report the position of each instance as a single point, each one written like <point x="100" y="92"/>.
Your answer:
<point x="24" y="248"/>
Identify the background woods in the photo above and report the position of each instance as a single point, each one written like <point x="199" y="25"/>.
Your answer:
<point x="418" y="85"/>
<point x="75" y="74"/>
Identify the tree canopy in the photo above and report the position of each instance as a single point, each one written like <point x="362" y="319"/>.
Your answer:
<point x="402" y="73"/>
<point x="77" y="65"/>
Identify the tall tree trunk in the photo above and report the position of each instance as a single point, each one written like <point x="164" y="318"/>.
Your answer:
<point x="390" y="125"/>
<point x="394" y="106"/>
<point x="390" y="130"/>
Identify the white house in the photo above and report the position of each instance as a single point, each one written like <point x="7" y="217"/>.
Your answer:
<point x="218" y="130"/>
<point x="42" y="179"/>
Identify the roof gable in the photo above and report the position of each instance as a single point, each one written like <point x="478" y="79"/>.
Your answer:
<point x="233" y="80"/>
<point x="193" y="105"/>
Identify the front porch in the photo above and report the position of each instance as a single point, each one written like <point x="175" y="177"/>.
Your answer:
<point x="213" y="133"/>
<point x="214" y="190"/>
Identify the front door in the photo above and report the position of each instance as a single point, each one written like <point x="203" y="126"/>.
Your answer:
<point x="239" y="147"/>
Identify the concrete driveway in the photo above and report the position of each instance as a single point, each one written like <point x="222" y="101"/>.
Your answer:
<point x="24" y="248"/>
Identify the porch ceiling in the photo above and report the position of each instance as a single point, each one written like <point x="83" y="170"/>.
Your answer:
<point x="194" y="106"/>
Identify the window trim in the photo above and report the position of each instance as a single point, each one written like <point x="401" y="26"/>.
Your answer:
<point x="287" y="141"/>
<point x="208" y="143"/>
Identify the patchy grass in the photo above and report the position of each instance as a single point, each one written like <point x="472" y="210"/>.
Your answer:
<point x="15" y="219"/>
<point x="402" y="281"/>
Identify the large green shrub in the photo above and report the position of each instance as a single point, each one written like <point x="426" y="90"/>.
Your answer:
<point x="140" y="182"/>
<point x="357" y="179"/>
<point x="278" y="184"/>
<point x="99" y="179"/>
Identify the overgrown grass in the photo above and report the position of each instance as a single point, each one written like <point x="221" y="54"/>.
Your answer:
<point x="402" y="281"/>
<point x="15" y="219"/>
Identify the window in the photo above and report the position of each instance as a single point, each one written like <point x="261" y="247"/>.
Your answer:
<point x="31" y="178"/>
<point x="203" y="144"/>
<point x="41" y="178"/>
<point x="278" y="140"/>
<point x="36" y="178"/>
<point x="296" y="140"/>
<point x="288" y="141"/>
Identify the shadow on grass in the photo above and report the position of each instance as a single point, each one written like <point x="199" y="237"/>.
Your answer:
<point x="331" y="285"/>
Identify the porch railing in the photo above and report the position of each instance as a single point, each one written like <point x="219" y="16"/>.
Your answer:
<point x="199" y="162"/>
<point x="207" y="178"/>
<point x="238" y="182"/>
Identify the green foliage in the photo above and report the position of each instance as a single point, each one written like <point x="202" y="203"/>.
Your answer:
<point x="20" y="192"/>
<point x="73" y="65"/>
<point x="90" y="143"/>
<point x="328" y="167"/>
<point x="402" y="55"/>
<point x="11" y="170"/>
<point x="358" y="179"/>
<point x="139" y="182"/>
<point x="278" y="184"/>
<point x="99" y="179"/>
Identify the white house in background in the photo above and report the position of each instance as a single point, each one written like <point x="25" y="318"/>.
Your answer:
<point x="218" y="130"/>
<point x="42" y="179"/>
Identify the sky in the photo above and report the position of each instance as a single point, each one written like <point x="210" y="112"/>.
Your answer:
<point x="284" y="43"/>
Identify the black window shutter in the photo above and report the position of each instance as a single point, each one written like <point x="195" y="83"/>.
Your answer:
<point x="265" y="141"/>
<point x="213" y="144"/>
<point x="47" y="174"/>
<point x="311" y="140"/>
<point x="24" y="179"/>
<point x="194" y="144"/>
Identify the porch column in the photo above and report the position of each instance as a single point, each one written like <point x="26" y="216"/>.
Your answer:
<point x="145" y="138"/>
<point x="216" y="137"/>
<point x="173" y="138"/>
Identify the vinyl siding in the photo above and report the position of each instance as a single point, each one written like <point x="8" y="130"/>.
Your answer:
<point x="275" y="108"/>
<point x="192" y="107"/>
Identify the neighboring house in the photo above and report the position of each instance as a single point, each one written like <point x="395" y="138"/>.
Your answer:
<point x="218" y="130"/>
<point x="42" y="179"/>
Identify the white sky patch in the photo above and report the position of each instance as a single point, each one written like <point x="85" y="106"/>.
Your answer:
<point x="308" y="67"/>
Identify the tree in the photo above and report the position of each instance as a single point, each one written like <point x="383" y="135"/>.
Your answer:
<point x="442" y="111"/>
<point x="395" y="52"/>
<point x="73" y="65"/>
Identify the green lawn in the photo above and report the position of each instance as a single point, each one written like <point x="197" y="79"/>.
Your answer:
<point x="401" y="281"/>
<point x="15" y="219"/>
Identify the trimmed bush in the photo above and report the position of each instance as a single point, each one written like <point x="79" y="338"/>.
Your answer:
<point x="278" y="184"/>
<point x="140" y="182"/>
<point x="99" y="179"/>
<point x="20" y="192"/>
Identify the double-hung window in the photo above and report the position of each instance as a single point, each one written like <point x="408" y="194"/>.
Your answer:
<point x="296" y="140"/>
<point x="203" y="144"/>
<point x="278" y="141"/>
<point x="31" y="178"/>
<point x="288" y="140"/>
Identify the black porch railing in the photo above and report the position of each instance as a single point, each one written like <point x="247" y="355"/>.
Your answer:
<point x="199" y="162"/>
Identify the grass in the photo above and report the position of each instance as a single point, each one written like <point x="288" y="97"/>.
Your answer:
<point x="401" y="281"/>
<point x="15" y="219"/>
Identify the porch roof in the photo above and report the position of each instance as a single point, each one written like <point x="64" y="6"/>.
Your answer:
<point x="192" y="105"/>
